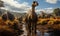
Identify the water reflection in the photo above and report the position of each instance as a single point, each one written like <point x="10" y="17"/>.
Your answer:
<point x="53" y="33"/>
<point x="38" y="32"/>
<point x="45" y="34"/>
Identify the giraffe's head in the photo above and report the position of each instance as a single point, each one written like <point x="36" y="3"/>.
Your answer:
<point x="35" y="3"/>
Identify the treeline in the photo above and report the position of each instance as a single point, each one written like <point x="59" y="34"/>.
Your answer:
<point x="54" y="14"/>
<point x="50" y="20"/>
<point x="10" y="25"/>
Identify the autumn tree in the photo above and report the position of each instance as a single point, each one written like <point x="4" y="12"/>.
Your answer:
<point x="1" y="5"/>
<point x="57" y="11"/>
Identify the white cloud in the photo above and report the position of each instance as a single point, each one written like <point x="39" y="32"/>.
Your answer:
<point x="14" y="5"/>
<point x="4" y="8"/>
<point x="52" y="1"/>
<point x="45" y="10"/>
<point x="49" y="10"/>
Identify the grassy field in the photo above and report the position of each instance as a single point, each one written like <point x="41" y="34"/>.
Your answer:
<point x="53" y="23"/>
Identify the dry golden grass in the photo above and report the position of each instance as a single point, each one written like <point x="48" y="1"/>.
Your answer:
<point x="50" y="22"/>
<point x="50" y="19"/>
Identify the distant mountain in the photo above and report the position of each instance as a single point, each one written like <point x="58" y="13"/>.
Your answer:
<point x="18" y="14"/>
<point x="14" y="13"/>
<point x="2" y="11"/>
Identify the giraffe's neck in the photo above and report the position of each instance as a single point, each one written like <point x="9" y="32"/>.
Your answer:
<point x="33" y="9"/>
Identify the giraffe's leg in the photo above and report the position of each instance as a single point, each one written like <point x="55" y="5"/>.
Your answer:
<point x="33" y="29"/>
<point x="29" y="29"/>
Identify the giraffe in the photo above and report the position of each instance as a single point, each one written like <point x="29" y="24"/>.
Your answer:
<point x="31" y="19"/>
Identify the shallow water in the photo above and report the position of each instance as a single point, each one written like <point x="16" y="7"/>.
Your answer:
<point x="38" y="32"/>
<point x="45" y="34"/>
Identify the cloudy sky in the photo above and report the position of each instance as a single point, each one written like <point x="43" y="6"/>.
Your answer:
<point x="25" y="5"/>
